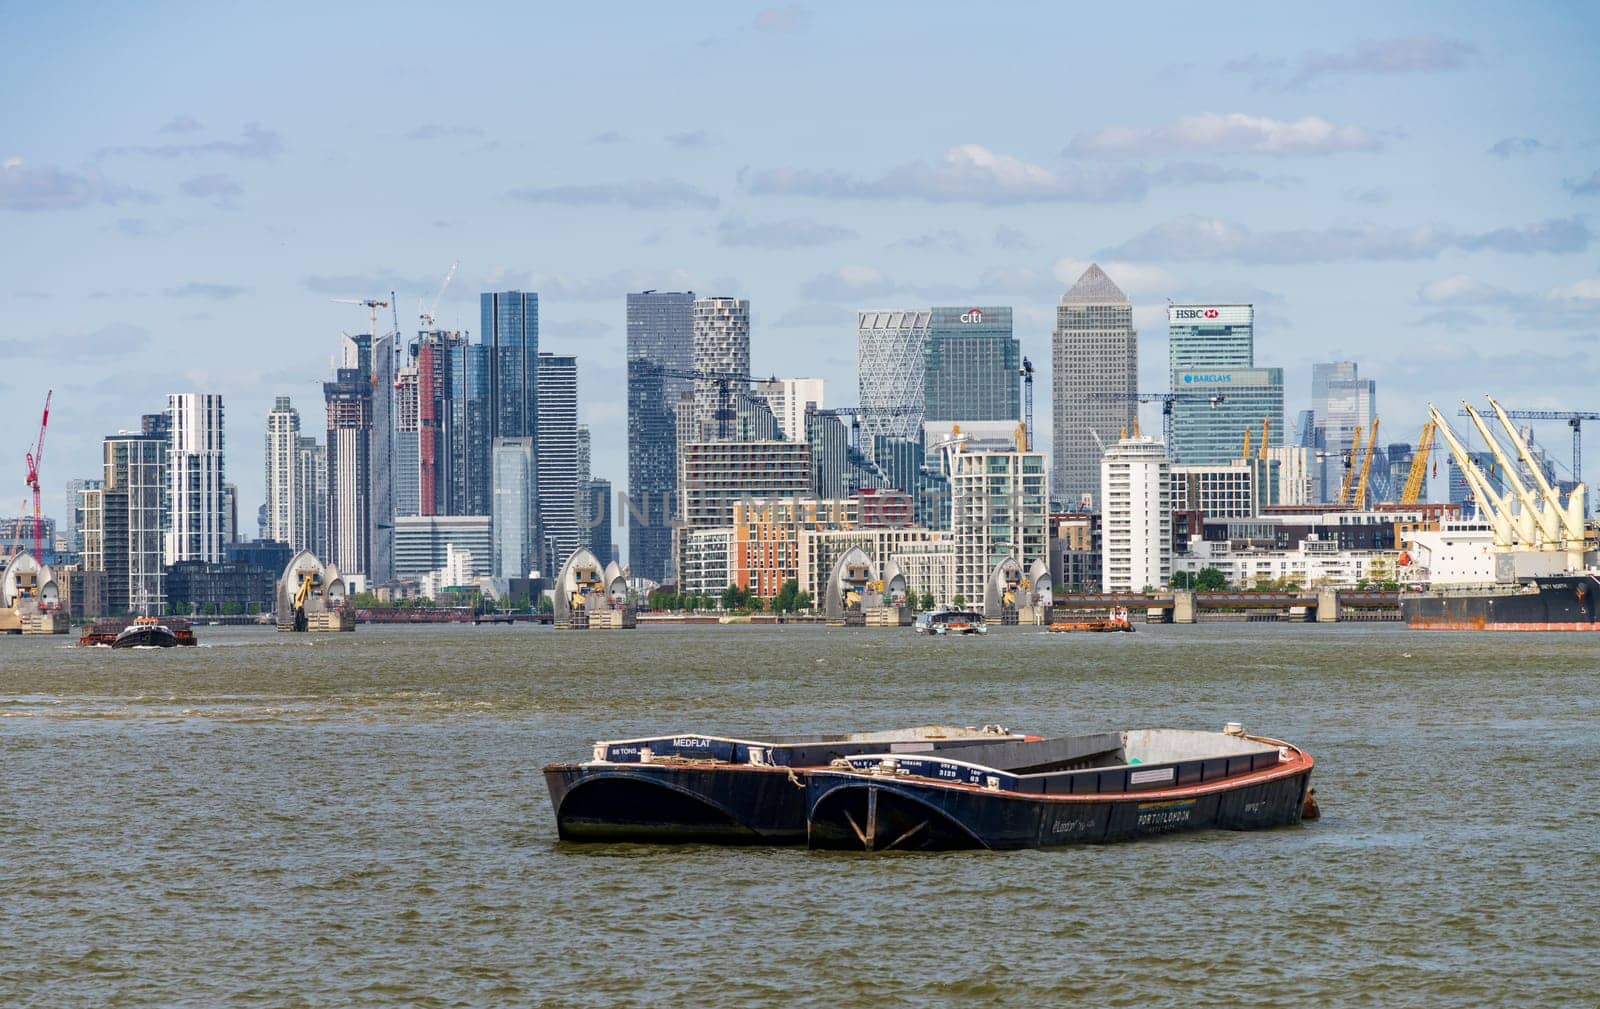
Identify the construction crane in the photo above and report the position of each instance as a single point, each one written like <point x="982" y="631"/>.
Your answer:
<point x="1027" y="404"/>
<point x="371" y="303"/>
<point x="1412" y="492"/>
<point x="35" y="460"/>
<point x="725" y="413"/>
<point x="1246" y="454"/>
<point x="855" y="413"/>
<point x="1366" y="467"/>
<point x="1166" y="399"/>
<point x="427" y="316"/>
<point x="1574" y="419"/>
<point x="1349" y="466"/>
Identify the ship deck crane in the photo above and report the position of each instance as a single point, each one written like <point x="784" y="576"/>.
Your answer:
<point x="35" y="460"/>
<point x="1574" y="419"/>
<point x="1166" y="399"/>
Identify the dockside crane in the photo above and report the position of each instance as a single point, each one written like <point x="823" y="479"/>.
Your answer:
<point x="1412" y="492"/>
<point x="35" y="460"/>
<point x="1574" y="419"/>
<point x="1366" y="467"/>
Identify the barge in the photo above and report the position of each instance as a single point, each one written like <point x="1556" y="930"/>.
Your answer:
<point x="141" y="632"/>
<point x="709" y="789"/>
<point x="1104" y="787"/>
<point x="1551" y="603"/>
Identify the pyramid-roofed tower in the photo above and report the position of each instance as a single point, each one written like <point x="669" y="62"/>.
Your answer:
<point x="1094" y="288"/>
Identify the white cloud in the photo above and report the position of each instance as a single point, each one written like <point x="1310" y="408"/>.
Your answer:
<point x="1232" y="133"/>
<point x="1582" y="290"/>
<point x="638" y="194"/>
<point x="45" y="187"/>
<point x="848" y="283"/>
<point x="1460" y="289"/>
<point x="1201" y="238"/>
<point x="1132" y="278"/>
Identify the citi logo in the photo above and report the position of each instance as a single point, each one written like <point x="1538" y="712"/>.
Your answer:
<point x="972" y="315"/>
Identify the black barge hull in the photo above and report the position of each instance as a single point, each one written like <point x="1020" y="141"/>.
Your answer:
<point x="851" y="811"/>
<point x="1564" y="603"/>
<point x="666" y="803"/>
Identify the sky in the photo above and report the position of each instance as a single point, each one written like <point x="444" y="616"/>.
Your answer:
<point x="185" y="189"/>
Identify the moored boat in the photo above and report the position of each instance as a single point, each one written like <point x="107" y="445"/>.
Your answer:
<point x="711" y="789"/>
<point x="1106" y="787"/>
<point x="951" y="621"/>
<point x="1569" y="602"/>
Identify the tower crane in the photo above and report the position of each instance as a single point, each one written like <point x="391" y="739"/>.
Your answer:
<point x="35" y="459"/>
<point x="1166" y="399"/>
<point x="1349" y="466"/>
<point x="427" y="317"/>
<point x="371" y="303"/>
<point x="1027" y="401"/>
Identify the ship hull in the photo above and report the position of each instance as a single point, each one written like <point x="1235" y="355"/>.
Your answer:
<point x="665" y="804"/>
<point x="851" y="813"/>
<point x="1563" y="603"/>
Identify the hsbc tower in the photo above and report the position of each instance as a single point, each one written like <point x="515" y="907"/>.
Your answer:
<point x="1221" y="393"/>
<point x="1210" y="336"/>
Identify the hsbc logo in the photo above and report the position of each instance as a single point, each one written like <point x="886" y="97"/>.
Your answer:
<point x="972" y="315"/>
<point x="1195" y="313"/>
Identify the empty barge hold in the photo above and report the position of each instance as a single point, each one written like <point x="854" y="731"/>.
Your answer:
<point x="1108" y="787"/>
<point x="708" y="789"/>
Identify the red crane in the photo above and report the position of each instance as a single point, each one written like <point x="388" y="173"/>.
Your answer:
<point x="34" y="459"/>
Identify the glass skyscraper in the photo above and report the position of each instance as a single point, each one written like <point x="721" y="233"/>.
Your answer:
<point x="513" y="528"/>
<point x="660" y="336"/>
<point x="1220" y="392"/>
<point x="510" y="329"/>
<point x="972" y="366"/>
<point x="556" y="459"/>
<point x="1094" y="352"/>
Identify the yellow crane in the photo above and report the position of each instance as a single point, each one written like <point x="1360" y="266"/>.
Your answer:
<point x="1266" y="430"/>
<point x="1366" y="467"/>
<point x="1419" y="466"/>
<point x="1246" y="455"/>
<point x="1349" y="467"/>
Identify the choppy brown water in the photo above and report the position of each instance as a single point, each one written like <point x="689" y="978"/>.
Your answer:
<point x="276" y="820"/>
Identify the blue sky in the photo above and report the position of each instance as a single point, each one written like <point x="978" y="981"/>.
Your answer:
<point x="1414" y="186"/>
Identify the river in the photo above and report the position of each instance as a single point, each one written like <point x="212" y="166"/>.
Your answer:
<point x="360" y="819"/>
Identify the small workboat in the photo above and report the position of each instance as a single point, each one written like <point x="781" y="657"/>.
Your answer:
<point x="1109" y="786"/>
<point x="1115" y="620"/>
<point x="146" y="632"/>
<point x="951" y="621"/>
<point x="712" y="789"/>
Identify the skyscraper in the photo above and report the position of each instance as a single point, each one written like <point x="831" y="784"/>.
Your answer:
<point x="125" y="521"/>
<point x="195" y="522"/>
<point x="406" y="477"/>
<point x="721" y="345"/>
<point x="891" y="368"/>
<point x="467" y="438"/>
<point x="788" y="399"/>
<point x="972" y="366"/>
<point x="556" y="458"/>
<point x="311" y="498"/>
<point x="597" y="517"/>
<point x="1094" y="351"/>
<point x="660" y="336"/>
<point x="1000" y="501"/>
<point x="283" y="442"/>
<point x="513" y="527"/>
<point x="1341" y="402"/>
<point x="349" y="405"/>
<point x="1136" y="496"/>
<point x="510" y="329"/>
<point x="380" y="468"/>
<point x="1220" y="391"/>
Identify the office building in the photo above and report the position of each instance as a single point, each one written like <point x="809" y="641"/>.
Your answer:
<point x="1213" y="337"/>
<point x="972" y="367"/>
<point x="829" y="440"/>
<point x="422" y="543"/>
<point x="310" y="497"/>
<point x="721" y="346"/>
<point x="437" y="357"/>
<point x="660" y="339"/>
<point x="1094" y="355"/>
<point x="1215" y="409"/>
<point x="380" y="462"/>
<point x="789" y="399"/>
<point x="74" y="530"/>
<point x="1341" y="402"/>
<point x="349" y="516"/>
<point x="1136" y="516"/>
<point x="1226" y="490"/>
<point x="510" y="331"/>
<point x="512" y="553"/>
<point x="282" y="444"/>
<point x="196" y="511"/>
<point x="999" y="504"/>
<point x="891" y="369"/>
<point x="556" y="460"/>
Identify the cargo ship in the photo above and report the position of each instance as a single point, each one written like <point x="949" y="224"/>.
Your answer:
<point x="1566" y="602"/>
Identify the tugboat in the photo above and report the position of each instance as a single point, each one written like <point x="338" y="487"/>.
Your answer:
<point x="1110" y="786"/>
<point x="951" y="621"/>
<point x="146" y="632"/>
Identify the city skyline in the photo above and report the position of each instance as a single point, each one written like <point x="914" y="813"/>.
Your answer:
<point x="1312" y="179"/>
